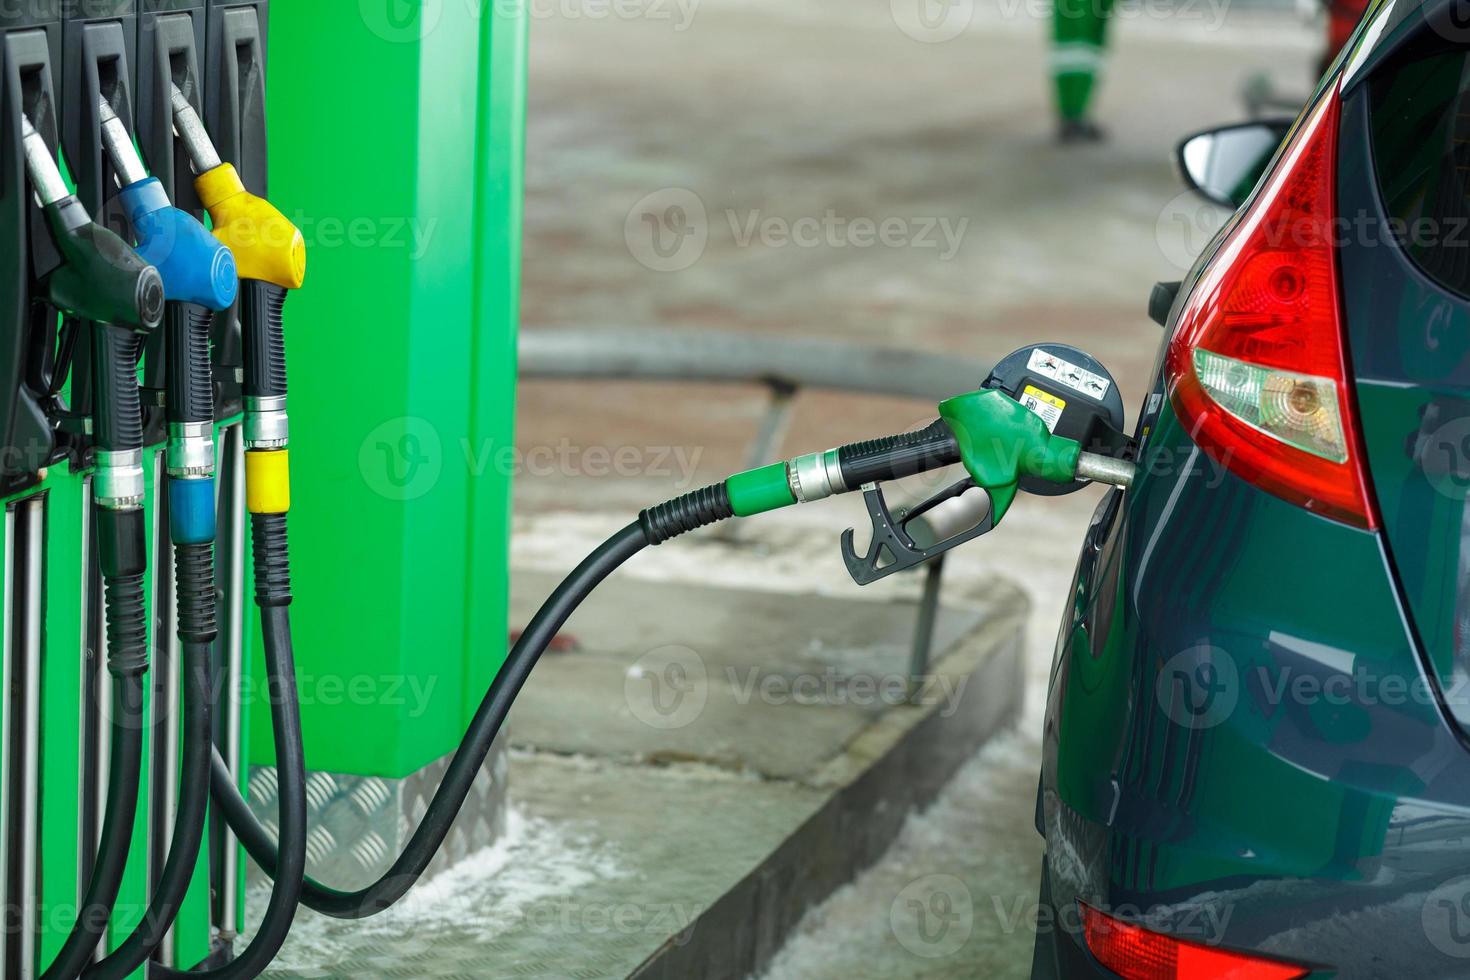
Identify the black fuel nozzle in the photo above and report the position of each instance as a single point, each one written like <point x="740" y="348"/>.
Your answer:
<point x="101" y="278"/>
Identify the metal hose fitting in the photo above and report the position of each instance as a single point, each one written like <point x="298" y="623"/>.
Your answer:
<point x="118" y="481"/>
<point x="267" y="426"/>
<point x="815" y="476"/>
<point x="190" y="449"/>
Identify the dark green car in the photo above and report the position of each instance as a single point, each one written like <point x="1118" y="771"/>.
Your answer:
<point x="1257" y="749"/>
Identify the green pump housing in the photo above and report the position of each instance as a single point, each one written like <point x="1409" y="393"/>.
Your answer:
<point x="397" y="144"/>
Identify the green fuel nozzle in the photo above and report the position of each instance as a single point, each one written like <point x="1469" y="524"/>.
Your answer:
<point x="101" y="278"/>
<point x="998" y="440"/>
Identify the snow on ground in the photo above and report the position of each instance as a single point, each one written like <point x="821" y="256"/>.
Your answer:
<point x="515" y="883"/>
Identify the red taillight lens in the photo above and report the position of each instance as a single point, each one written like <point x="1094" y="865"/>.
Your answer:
<point x="1138" y="954"/>
<point x="1257" y="368"/>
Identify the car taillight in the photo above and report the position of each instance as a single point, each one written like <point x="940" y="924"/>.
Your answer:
<point x="1135" y="953"/>
<point x="1257" y="367"/>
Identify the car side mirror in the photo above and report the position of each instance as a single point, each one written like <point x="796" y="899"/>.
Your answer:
<point x="1224" y="164"/>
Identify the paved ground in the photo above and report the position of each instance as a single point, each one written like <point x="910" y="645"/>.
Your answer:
<point x="714" y="164"/>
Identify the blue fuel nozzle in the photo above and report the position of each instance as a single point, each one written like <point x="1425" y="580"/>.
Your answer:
<point x="196" y="267"/>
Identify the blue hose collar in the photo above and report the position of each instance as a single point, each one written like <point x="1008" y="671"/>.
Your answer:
<point x="191" y="515"/>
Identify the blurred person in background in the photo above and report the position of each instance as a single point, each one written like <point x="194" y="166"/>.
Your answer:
<point x="1079" y="48"/>
<point x="1079" y="38"/>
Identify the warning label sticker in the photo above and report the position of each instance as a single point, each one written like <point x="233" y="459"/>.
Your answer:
<point x="1063" y="371"/>
<point x="1049" y="407"/>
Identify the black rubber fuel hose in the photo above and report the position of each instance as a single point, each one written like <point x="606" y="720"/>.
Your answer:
<point x="273" y="595"/>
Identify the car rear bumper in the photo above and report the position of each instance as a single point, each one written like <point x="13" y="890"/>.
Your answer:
<point x="1060" y="954"/>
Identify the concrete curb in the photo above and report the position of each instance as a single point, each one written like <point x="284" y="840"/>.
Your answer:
<point x="896" y="767"/>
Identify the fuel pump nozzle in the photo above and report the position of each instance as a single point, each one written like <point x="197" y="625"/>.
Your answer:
<point x="101" y="278"/>
<point x="196" y="267"/>
<point x="271" y="254"/>
<point x="998" y="440"/>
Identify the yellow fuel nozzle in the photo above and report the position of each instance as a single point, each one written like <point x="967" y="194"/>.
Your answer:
<point x="267" y="246"/>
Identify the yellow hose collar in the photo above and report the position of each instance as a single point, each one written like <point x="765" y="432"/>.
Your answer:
<point x="268" y="481"/>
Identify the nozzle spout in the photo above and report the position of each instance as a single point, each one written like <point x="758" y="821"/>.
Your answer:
<point x="41" y="165"/>
<point x="120" y="148"/>
<point x="1106" y="469"/>
<point x="203" y="157"/>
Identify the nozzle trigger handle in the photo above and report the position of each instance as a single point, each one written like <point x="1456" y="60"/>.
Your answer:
<point x="892" y="547"/>
<point x="262" y="308"/>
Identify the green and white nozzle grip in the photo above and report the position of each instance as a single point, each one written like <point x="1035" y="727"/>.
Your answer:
<point x="997" y="439"/>
<point x="1002" y="441"/>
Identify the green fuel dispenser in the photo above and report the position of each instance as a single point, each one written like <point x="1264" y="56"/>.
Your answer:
<point x="406" y="447"/>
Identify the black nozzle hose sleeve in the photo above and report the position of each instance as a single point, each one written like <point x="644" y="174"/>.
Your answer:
<point x="118" y="426"/>
<point x="123" y="777"/>
<point x="262" y="307"/>
<point x="894" y="457"/>
<point x="690" y="512"/>
<point x="463" y="768"/>
<point x="272" y="559"/>
<point x="190" y="378"/>
<point x="122" y="551"/>
<point x="194" y="586"/>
